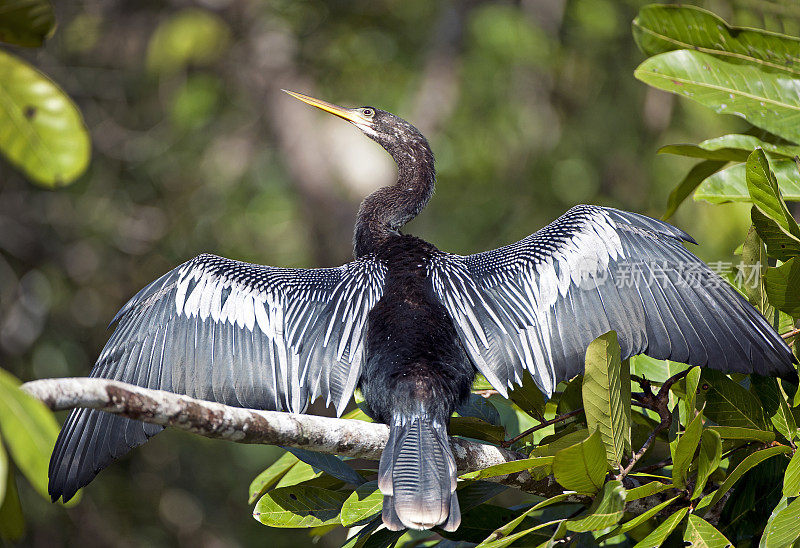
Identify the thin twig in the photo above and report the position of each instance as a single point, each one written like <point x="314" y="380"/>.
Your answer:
<point x="545" y="424"/>
<point x="790" y="334"/>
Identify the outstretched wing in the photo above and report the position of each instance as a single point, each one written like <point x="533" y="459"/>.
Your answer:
<point x="236" y="333"/>
<point x="538" y="303"/>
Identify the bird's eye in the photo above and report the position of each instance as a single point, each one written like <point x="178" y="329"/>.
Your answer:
<point x="367" y="113"/>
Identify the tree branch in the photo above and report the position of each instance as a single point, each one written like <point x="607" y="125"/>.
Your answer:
<point x="351" y="438"/>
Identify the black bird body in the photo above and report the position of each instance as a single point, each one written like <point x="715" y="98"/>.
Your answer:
<point x="411" y="324"/>
<point x="415" y="376"/>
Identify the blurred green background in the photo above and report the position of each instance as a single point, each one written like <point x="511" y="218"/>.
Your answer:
<point x="530" y="107"/>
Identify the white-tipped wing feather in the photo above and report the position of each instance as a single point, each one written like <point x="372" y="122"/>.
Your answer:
<point x="236" y="333"/>
<point x="536" y="304"/>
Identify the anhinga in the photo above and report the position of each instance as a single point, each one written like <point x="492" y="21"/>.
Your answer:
<point x="410" y="325"/>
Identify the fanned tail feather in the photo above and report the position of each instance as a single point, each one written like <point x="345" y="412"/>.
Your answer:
<point x="417" y="475"/>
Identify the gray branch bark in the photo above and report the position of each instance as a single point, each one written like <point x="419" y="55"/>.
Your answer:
<point x="351" y="438"/>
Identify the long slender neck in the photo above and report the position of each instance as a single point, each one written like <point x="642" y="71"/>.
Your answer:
<point x="386" y="210"/>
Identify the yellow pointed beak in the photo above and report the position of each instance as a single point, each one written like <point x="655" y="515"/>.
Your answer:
<point x="351" y="115"/>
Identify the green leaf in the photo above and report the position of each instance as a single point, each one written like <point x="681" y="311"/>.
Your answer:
<point x="638" y="520"/>
<point x="766" y="100"/>
<point x="299" y="506"/>
<point x="684" y="452"/>
<point x="765" y="193"/>
<point x="784" y="527"/>
<point x="707" y="460"/>
<point x="747" y="463"/>
<point x="507" y="541"/>
<point x="300" y="472"/>
<point x="479" y="408"/>
<point x="4" y="466"/>
<point x="779" y="244"/>
<point x="26" y="22"/>
<point x="692" y="382"/>
<point x="701" y="534"/>
<point x="559" y="441"/>
<point x="481" y="383"/>
<point x="362" y="503"/>
<point x="791" y="479"/>
<point x="737" y="433"/>
<point x="782" y="284"/>
<point x="730" y="185"/>
<point x="470" y="427"/>
<point x="734" y="147"/>
<point x="12" y="521"/>
<point x="754" y="264"/>
<point x="605" y="511"/>
<point x="500" y="536"/>
<point x="29" y="430"/>
<point x="730" y="404"/>
<point x="660" y="533"/>
<point x="660" y="28"/>
<point x="268" y="477"/>
<point x="606" y="396"/>
<point x="529" y="398"/>
<point x="777" y="409"/>
<point x="690" y="182"/>
<point x="330" y="464"/>
<point x="510" y="468"/>
<point x="648" y="489"/>
<point x="42" y="132"/>
<point x="582" y="467"/>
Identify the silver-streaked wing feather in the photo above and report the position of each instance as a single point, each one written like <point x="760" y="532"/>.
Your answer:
<point x="236" y="333"/>
<point x="536" y="304"/>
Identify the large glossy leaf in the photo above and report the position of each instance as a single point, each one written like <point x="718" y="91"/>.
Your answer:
<point x="300" y="472"/>
<point x="702" y="534"/>
<point x="364" y="502"/>
<point x="753" y="265"/>
<point x="707" y="460"/>
<point x="29" y="431"/>
<point x="480" y="408"/>
<point x="528" y="397"/>
<point x="779" y="244"/>
<point x="692" y="382"/>
<point x="747" y="463"/>
<point x="270" y="476"/>
<point x="26" y="22"/>
<point x="638" y="520"/>
<point x="783" y="527"/>
<point x="502" y="536"/>
<point x="783" y="287"/>
<point x="605" y="511"/>
<point x="684" y="451"/>
<point x="582" y="467"/>
<point x="12" y="521"/>
<point x="771" y="394"/>
<point x="660" y="28"/>
<point x="766" y="194"/>
<point x="730" y="404"/>
<point x="3" y="470"/>
<point x="41" y="130"/>
<point x="543" y="463"/>
<point x="734" y="147"/>
<point x="766" y="100"/>
<point x="737" y="433"/>
<point x="648" y="489"/>
<point x="331" y="464"/>
<point x="730" y="185"/>
<point x="299" y="506"/>
<point x="660" y="533"/>
<point x="470" y="427"/>
<point x="791" y="478"/>
<point x="690" y="182"/>
<point x="606" y="396"/>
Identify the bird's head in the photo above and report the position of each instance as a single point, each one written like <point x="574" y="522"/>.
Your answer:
<point x="388" y="130"/>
